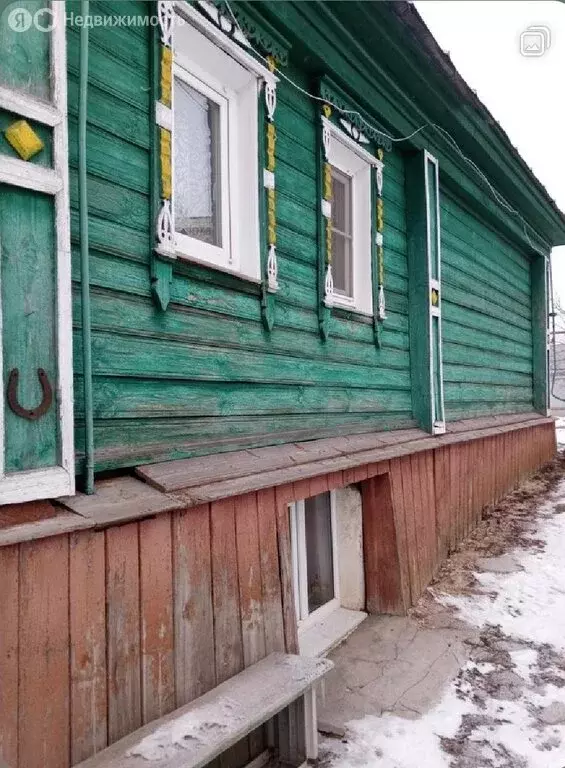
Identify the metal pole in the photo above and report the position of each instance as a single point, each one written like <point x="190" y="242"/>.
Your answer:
<point x="84" y="256"/>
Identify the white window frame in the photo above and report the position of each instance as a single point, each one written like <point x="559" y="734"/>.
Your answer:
<point x="297" y="514"/>
<point x="354" y="161"/>
<point x="240" y="251"/>
<point x="59" y="480"/>
<point x="436" y="377"/>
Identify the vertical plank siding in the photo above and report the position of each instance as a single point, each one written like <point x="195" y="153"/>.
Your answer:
<point x="9" y="636"/>
<point x="104" y="630"/>
<point x="156" y="617"/>
<point x="87" y="615"/>
<point x="461" y="480"/>
<point x="43" y="669"/>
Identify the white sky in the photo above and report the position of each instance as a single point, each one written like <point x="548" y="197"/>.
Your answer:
<point x="525" y="94"/>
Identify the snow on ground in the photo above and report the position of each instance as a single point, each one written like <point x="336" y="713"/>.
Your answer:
<point x="560" y="429"/>
<point x="506" y="708"/>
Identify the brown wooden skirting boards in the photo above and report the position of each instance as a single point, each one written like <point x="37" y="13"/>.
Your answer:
<point x="116" y="627"/>
<point x="189" y="482"/>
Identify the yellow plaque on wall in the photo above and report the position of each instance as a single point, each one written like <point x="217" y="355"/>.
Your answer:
<point x="21" y="136"/>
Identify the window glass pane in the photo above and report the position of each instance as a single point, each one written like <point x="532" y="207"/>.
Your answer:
<point x="197" y="181"/>
<point x="342" y="234"/>
<point x="342" y="264"/>
<point x="339" y="191"/>
<point x="319" y="555"/>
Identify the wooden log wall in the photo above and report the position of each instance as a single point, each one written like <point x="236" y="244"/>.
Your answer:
<point x="102" y="631"/>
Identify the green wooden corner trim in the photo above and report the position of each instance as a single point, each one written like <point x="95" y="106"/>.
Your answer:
<point x="540" y="334"/>
<point x="418" y="287"/>
<point x="424" y="265"/>
<point x="344" y="116"/>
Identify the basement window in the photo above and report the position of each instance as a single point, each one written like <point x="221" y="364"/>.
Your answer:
<point x="325" y="612"/>
<point x="314" y="557"/>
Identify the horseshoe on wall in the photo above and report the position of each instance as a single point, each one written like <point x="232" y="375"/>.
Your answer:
<point x="12" y="395"/>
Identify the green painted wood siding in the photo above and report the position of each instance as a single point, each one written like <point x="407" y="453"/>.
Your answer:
<point x="205" y="376"/>
<point x="487" y="317"/>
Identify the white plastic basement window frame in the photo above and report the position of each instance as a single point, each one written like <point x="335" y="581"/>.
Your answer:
<point x="215" y="65"/>
<point x="297" y="516"/>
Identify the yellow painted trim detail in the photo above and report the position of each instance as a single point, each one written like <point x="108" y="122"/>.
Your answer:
<point x="271" y="217"/>
<point x="327" y="110"/>
<point x="166" y="75"/>
<point x="328" y="188"/>
<point x="271" y="139"/>
<point x="21" y="136"/>
<point x="329" y="241"/>
<point x="166" y="163"/>
<point x="380" y="215"/>
<point x="381" y="264"/>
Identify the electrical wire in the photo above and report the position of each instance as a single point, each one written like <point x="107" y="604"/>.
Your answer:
<point x="442" y="131"/>
<point x="396" y="139"/>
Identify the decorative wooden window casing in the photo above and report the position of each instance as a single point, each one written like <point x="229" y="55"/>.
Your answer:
<point x="211" y="54"/>
<point x="36" y="412"/>
<point x="360" y="159"/>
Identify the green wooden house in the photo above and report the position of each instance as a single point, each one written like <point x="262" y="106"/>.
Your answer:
<point x="274" y="333"/>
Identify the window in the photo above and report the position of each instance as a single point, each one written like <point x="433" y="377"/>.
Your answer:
<point x="215" y="154"/>
<point x="351" y="223"/>
<point x="314" y="557"/>
<point x="200" y="168"/>
<point x="342" y="234"/>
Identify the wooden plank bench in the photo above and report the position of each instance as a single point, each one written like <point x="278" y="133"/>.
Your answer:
<point x="277" y="690"/>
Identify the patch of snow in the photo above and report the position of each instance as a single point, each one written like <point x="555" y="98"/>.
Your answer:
<point x="520" y="730"/>
<point x="394" y="742"/>
<point x="560" y="430"/>
<point x="183" y="733"/>
<point x="529" y="604"/>
<point x="524" y="660"/>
